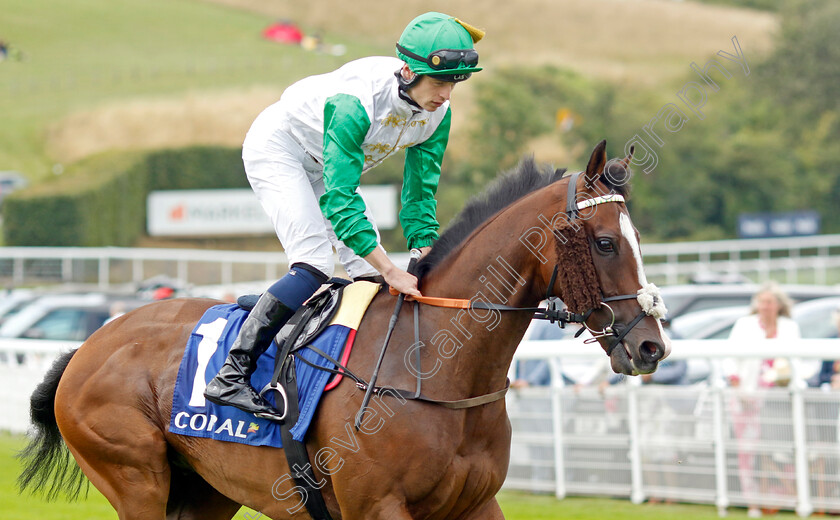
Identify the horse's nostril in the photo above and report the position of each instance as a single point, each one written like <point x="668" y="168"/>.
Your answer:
<point x="651" y="351"/>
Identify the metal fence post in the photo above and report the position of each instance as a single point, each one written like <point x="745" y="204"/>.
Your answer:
<point x="804" y="507"/>
<point x="183" y="272"/>
<point x="17" y="270"/>
<point x="137" y="270"/>
<point x="721" y="488"/>
<point x="227" y="273"/>
<point x="67" y="269"/>
<point x="104" y="272"/>
<point x="637" y="493"/>
<point x="557" y="427"/>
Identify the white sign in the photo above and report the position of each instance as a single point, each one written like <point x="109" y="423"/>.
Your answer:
<point x="205" y="212"/>
<point x="381" y="200"/>
<point x="236" y="212"/>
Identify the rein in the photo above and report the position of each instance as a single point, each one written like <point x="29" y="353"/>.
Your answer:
<point x="648" y="296"/>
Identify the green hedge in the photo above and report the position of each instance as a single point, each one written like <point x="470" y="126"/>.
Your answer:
<point x="102" y="201"/>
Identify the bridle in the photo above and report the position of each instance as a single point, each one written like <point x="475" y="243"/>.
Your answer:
<point x="648" y="296"/>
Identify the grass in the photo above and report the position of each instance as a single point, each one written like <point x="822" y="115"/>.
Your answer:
<point x="126" y="74"/>
<point x="85" y="55"/>
<point x="27" y="507"/>
<point x="516" y="505"/>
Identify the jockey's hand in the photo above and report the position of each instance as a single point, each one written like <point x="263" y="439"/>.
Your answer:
<point x="402" y="281"/>
<point x="398" y="279"/>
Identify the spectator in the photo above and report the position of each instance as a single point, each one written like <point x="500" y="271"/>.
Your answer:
<point x="769" y="319"/>
<point x="532" y="372"/>
<point x="829" y="374"/>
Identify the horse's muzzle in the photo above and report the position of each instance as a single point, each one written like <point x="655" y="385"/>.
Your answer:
<point x="633" y="358"/>
<point x="650" y="353"/>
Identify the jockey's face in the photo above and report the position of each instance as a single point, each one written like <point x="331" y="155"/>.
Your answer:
<point x="430" y="93"/>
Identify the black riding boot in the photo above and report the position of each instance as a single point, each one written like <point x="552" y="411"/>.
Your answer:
<point x="232" y="385"/>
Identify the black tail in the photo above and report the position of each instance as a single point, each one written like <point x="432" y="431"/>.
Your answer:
<point x="48" y="467"/>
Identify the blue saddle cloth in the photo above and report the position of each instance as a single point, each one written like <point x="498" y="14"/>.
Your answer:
<point x="205" y="354"/>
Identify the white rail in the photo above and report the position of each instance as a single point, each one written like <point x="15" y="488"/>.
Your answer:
<point x="815" y="259"/>
<point x="817" y="255"/>
<point x="23" y="365"/>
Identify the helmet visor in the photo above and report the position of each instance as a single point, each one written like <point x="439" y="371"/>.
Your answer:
<point x="445" y="59"/>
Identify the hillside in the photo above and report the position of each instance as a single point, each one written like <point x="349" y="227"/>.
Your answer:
<point x="101" y="75"/>
<point x="641" y="41"/>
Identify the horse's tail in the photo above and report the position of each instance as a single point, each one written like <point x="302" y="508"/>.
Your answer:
<point x="48" y="467"/>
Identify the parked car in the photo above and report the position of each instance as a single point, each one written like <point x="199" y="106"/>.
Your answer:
<point x="715" y="323"/>
<point x="12" y="301"/>
<point x="68" y="317"/>
<point x="682" y="299"/>
<point x="815" y="317"/>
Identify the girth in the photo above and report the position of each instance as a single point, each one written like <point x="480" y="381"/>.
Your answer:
<point x="309" y="321"/>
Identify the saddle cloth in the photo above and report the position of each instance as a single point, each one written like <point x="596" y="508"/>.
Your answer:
<point x="208" y="347"/>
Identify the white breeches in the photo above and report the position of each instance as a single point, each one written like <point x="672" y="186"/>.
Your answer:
<point x="288" y="182"/>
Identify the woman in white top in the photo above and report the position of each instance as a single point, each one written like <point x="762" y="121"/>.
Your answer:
<point x="770" y="319"/>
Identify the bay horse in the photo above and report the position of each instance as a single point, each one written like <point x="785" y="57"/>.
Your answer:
<point x="109" y="402"/>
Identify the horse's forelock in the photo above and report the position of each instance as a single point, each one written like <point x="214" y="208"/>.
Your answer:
<point x="617" y="177"/>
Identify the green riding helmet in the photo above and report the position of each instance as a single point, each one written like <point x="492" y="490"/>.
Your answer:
<point x="436" y="44"/>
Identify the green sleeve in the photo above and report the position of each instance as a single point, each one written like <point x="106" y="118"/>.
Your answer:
<point x="345" y="125"/>
<point x="418" y="215"/>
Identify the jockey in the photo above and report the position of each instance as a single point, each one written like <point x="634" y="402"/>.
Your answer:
<point x="304" y="156"/>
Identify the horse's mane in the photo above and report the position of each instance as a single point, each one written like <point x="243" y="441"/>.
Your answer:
<point x="504" y="191"/>
<point x="509" y="187"/>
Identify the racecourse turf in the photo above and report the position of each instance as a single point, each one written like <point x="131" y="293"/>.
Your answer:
<point x="516" y="505"/>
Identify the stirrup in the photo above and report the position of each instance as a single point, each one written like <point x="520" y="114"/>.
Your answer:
<point x="272" y="415"/>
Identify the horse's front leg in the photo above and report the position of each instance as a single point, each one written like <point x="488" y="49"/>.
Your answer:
<point x="491" y="511"/>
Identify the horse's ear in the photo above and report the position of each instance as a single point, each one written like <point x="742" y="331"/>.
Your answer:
<point x="597" y="161"/>
<point x="625" y="163"/>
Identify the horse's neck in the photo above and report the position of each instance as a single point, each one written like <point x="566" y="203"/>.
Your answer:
<point x="490" y="270"/>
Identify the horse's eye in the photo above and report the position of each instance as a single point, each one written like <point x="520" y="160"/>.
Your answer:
<point x="605" y="245"/>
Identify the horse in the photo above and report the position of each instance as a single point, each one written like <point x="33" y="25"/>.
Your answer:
<point x="109" y="401"/>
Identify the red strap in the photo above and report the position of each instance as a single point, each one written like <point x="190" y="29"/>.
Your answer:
<point x="345" y="356"/>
